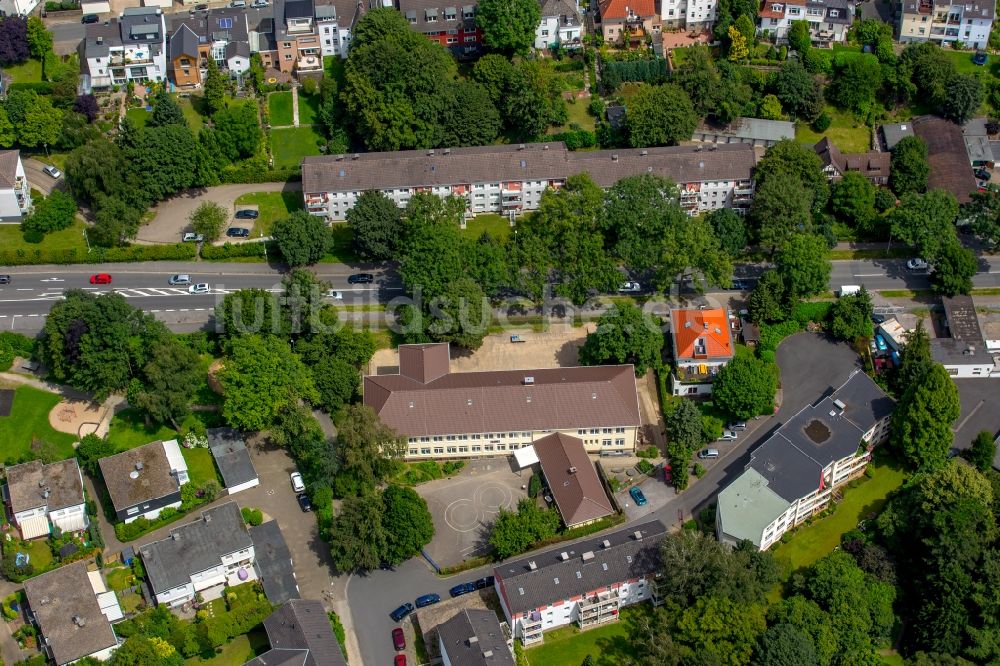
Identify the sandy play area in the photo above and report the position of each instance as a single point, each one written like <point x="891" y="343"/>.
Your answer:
<point x="76" y="417"/>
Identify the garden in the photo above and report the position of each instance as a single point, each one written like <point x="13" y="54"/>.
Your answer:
<point x="279" y="109"/>
<point x="272" y="207"/>
<point x="26" y="433"/>
<point x="290" y="144"/>
<point x="24" y="559"/>
<point x="607" y="645"/>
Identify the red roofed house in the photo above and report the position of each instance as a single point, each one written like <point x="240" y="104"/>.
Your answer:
<point x="636" y="17"/>
<point x="703" y="343"/>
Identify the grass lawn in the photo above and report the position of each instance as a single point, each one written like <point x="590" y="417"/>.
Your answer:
<point x="811" y="543"/>
<point x="290" y="145"/>
<point x="29" y="418"/>
<point x="120" y="579"/>
<point x="201" y="467"/>
<point x="577" y="113"/>
<point x="194" y="119"/>
<point x="128" y="430"/>
<point x="963" y="62"/>
<point x="846" y="133"/>
<point x="497" y="225"/>
<point x="65" y="239"/>
<point x="568" y="646"/>
<point x="39" y="553"/>
<point x="342" y="250"/>
<point x="138" y="115"/>
<point x="308" y="108"/>
<point x="679" y="55"/>
<point x="272" y="206"/>
<point x="235" y="653"/>
<point x="27" y="72"/>
<point x="279" y="107"/>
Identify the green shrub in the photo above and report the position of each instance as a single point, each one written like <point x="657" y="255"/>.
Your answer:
<point x="698" y="470"/>
<point x="534" y="486"/>
<point x="772" y="334"/>
<point x="39" y="87"/>
<point x="690" y="525"/>
<point x="99" y="255"/>
<point x="33" y="236"/>
<point x="234" y="250"/>
<point x="807" y="311"/>
<point x="6" y="357"/>
<point x="822" y="122"/>
<point x="644" y="466"/>
<point x="256" y="171"/>
<point x="252" y="517"/>
<point x="649" y="452"/>
<point x="576" y="139"/>
<point x="338" y="627"/>
<point x="452" y="467"/>
<point x="21" y="344"/>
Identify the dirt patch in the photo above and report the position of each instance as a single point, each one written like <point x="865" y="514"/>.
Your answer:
<point x="75" y="417"/>
<point x="6" y="401"/>
<point x="213" y="377"/>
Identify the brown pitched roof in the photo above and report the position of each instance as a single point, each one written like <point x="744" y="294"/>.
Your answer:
<point x="571" y="476"/>
<point x="29" y="483"/>
<point x="506" y="400"/>
<point x="950" y="166"/>
<point x="152" y="481"/>
<point x="8" y="166"/>
<point x="873" y="164"/>
<point x="65" y="606"/>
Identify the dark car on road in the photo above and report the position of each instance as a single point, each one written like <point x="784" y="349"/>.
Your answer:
<point x="398" y="640"/>
<point x="246" y="214"/>
<point x="464" y="588"/>
<point x="401" y="612"/>
<point x="304" y="502"/>
<point x="237" y="232"/>
<point x="483" y="583"/>
<point x="361" y="278"/>
<point x="90" y="18"/>
<point x="427" y="600"/>
<point x="4" y="279"/>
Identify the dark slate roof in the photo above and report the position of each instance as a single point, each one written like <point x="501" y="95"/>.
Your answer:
<point x="99" y="37"/>
<point x="184" y="42"/>
<point x="895" y="133"/>
<point x="8" y="167"/>
<point x="141" y="25"/>
<point x="541" y="579"/>
<point x="834" y="11"/>
<point x="195" y="547"/>
<point x="33" y="484"/>
<point x="234" y="49"/>
<point x="562" y="9"/>
<point x="963" y="324"/>
<point x="966" y="345"/>
<point x="417" y="12"/>
<point x="299" y="9"/>
<point x="947" y="156"/>
<point x="300" y="634"/>
<point x="273" y="561"/>
<point x="489" y="645"/>
<point x="231" y="455"/>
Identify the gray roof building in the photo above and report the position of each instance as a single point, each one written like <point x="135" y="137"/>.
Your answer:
<point x="965" y="344"/>
<point x="273" y="561"/>
<point x="756" y="131"/>
<point x="232" y="457"/>
<point x="33" y="484"/>
<point x="99" y="38"/>
<point x="184" y="42"/>
<point x="474" y="637"/>
<point x="977" y="142"/>
<point x="538" y="580"/>
<point x="141" y="475"/>
<point x="893" y="134"/>
<point x="224" y="25"/>
<point x="299" y="633"/>
<point x="8" y="167"/>
<point x="143" y="25"/>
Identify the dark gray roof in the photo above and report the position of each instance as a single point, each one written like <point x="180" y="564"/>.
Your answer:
<point x="966" y="345"/>
<point x="834" y="11"/>
<point x="541" y="579"/>
<point x="963" y="324"/>
<point x="141" y="25"/>
<point x="184" y="42"/>
<point x="231" y="455"/>
<point x="226" y="24"/>
<point x="895" y="133"/>
<point x="273" y="561"/>
<point x="790" y="472"/>
<point x="234" y="49"/>
<point x="489" y="645"/>
<point x="194" y="547"/>
<point x="562" y="9"/>
<point x="418" y="13"/>
<point x="299" y="9"/>
<point x="300" y="634"/>
<point x="99" y="37"/>
<point x="33" y="484"/>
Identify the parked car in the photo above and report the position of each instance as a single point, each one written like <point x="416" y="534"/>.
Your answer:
<point x="880" y="341"/>
<point x="401" y="612"/>
<point x="983" y="174"/>
<point x="878" y="319"/>
<point x="398" y="640"/>
<point x="728" y="435"/>
<point x="980" y="58"/>
<point x="191" y="237"/>
<point x="258" y="4"/>
<point x="737" y="425"/>
<point x="361" y="278"/>
<point x="708" y="453"/>
<point x="89" y="18"/>
<point x="297" y="484"/>
<point x="464" y="588"/>
<point x="247" y="213"/>
<point x="517" y="338"/>
<point x="637" y="496"/>
<point x="630" y="287"/>
<point x="237" y="232"/>
<point x="304" y="502"/>
<point x="4" y="279"/>
<point x="399" y="660"/>
<point x="52" y="171"/>
<point x="917" y="264"/>
<point x="179" y="279"/>
<point x="427" y="600"/>
<point x="238" y="4"/>
<point x="740" y="285"/>
<point x="100" y="278"/>
<point x="335" y="295"/>
<point x="200" y="288"/>
<point x="483" y="583"/>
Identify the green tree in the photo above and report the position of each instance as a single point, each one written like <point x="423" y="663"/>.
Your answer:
<point x="52" y="213"/>
<point x="508" y="27"/>
<point x="336" y="381"/>
<point x="798" y="36"/>
<point x="470" y="118"/>
<point x="531" y="101"/>
<point x="909" y="169"/>
<point x="493" y="71"/>
<point x="926" y="221"/>
<point x="407" y="523"/>
<point x="745" y="387"/>
<point x="462" y="314"/>
<point x="166" y="111"/>
<point x="853" y="200"/>
<point x="215" y="88"/>
<point x="798" y="91"/>
<point x="769" y="301"/>
<point x="514" y="532"/>
<point x="140" y="650"/>
<point x="983" y="211"/>
<point x="432" y="257"/>
<point x="964" y="94"/>
<point x="166" y="161"/>
<point x="8" y="133"/>
<point x="237" y="131"/>
<point x="781" y="211"/>
<point x="914" y="359"/>
<point x="660" y="116"/>
<point x="42" y="123"/>
<point x="358" y="540"/>
<point x="302" y="238"/>
<point x="851" y="316"/>
<point x="770" y="108"/>
<point x="983" y="450"/>
<point x="722" y="629"/>
<point x="170" y="378"/>
<point x="921" y="429"/>
<point x="261" y="378"/>
<point x="248" y="311"/>
<point x="730" y="229"/>
<point x="624" y="334"/>
<point x="39" y="39"/>
<point x="857" y="83"/>
<point x="209" y="219"/>
<point x="804" y="265"/>
<point x="785" y="645"/>
<point x="739" y="50"/>
<point x="365" y="446"/>
<point x="684" y="425"/>
<point x="91" y="449"/>
<point x="954" y="268"/>
<point x="806" y="616"/>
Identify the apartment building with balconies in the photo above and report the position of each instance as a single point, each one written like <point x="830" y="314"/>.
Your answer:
<point x="453" y="26"/>
<point x="690" y="15"/>
<point x="828" y="19"/>
<point x="561" y="25"/>
<point x="291" y="42"/>
<point x="222" y="35"/>
<point x="628" y="22"/>
<point x="15" y="192"/>
<point x="945" y="23"/>
<point x="131" y="47"/>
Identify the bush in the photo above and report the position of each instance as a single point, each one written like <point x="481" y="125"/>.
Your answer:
<point x="6" y="357"/>
<point x="232" y="250"/>
<point x="772" y="334"/>
<point x="22" y="345"/>
<point x="534" y="486"/>
<point x="698" y="470"/>
<point x="452" y="467"/>
<point x="805" y="312"/>
<point x="256" y="171"/>
<point x="644" y="467"/>
<point x="99" y="255"/>
<point x="649" y="452"/>
<point x="822" y="123"/>
<point x="40" y="87"/>
<point x="576" y="139"/>
<point x="252" y="517"/>
<point x="33" y="236"/>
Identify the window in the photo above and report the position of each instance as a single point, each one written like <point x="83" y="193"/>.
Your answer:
<point x="134" y="510"/>
<point x="438" y="449"/>
<point x="425" y="439"/>
<point x="425" y="451"/>
<point x="606" y="431"/>
<point x="438" y="438"/>
<point x="545" y="33"/>
<point x="605" y="442"/>
<point x="431" y="15"/>
<point x="287" y="45"/>
<point x="288" y="56"/>
<point x="475" y="449"/>
<point x="468" y="12"/>
<point x="619" y="429"/>
<point x="450" y="14"/>
<point x="184" y="62"/>
<point x="413" y="452"/>
<point x="470" y="39"/>
<point x="619" y="442"/>
<point x="451" y="449"/>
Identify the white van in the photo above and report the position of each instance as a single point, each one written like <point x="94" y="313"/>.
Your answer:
<point x="848" y="290"/>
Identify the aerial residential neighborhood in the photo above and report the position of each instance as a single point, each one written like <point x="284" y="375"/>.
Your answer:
<point x="515" y="332"/>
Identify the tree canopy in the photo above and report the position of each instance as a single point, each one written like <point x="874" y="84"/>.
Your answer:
<point x="302" y="238"/>
<point x="660" y="115"/>
<point x="624" y="335"/>
<point x="508" y="26"/>
<point x="922" y="422"/>
<point x="909" y="169"/>
<point x="745" y="387"/>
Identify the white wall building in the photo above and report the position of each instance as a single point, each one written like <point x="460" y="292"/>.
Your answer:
<point x="691" y="15"/>
<point x="946" y="23"/>
<point x="560" y="25"/>
<point x="37" y="495"/>
<point x="965" y="353"/>
<point x="129" y="48"/>
<point x="18" y="7"/>
<point x="335" y="22"/>
<point x="15" y="192"/>
<point x="828" y="19"/>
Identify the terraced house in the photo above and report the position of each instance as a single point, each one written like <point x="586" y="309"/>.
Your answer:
<point x="453" y="26"/>
<point x="945" y="23"/>
<point x="828" y="19"/>
<point x="221" y="34"/>
<point x="131" y="47"/>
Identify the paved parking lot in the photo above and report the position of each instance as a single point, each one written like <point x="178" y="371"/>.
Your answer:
<point x="980" y="401"/>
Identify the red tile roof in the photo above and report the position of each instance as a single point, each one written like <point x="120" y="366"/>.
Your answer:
<point x="571" y="476"/>
<point x="620" y="9"/>
<point x="701" y="334"/>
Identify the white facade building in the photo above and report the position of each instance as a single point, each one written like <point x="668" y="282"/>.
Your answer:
<point x="15" y="192"/>
<point x="129" y="48"/>
<point x="965" y="353"/>
<point x="691" y="15"/>
<point x="560" y="25"/>
<point x="335" y="22"/>
<point x="946" y="23"/>
<point x="828" y="19"/>
<point x="18" y="7"/>
<point x="38" y="495"/>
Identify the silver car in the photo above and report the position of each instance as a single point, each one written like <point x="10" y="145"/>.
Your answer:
<point x="179" y="279"/>
<point x="52" y="171"/>
<point x="201" y="288"/>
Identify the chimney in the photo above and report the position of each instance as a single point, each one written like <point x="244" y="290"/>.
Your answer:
<point x="176" y="536"/>
<point x="447" y="151"/>
<point x="487" y="654"/>
<point x="356" y="156"/>
<point x="614" y="157"/>
<point x="340" y="157"/>
<point x="701" y="165"/>
<point x="589" y="555"/>
<point x="520" y="146"/>
<point x="430" y="153"/>
<point x="473" y="640"/>
<point x="139" y="466"/>
<point x="572" y="470"/>
<point x="564" y="556"/>
<point x="529" y="380"/>
<point x="644" y="153"/>
<point x="41" y="483"/>
<point x="79" y="620"/>
<point x="839" y="404"/>
<point x="208" y="517"/>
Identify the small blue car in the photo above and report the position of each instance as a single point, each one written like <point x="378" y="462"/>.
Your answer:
<point x="427" y="600"/>
<point x="464" y="588"/>
<point x="401" y="612"/>
<point x="638" y="497"/>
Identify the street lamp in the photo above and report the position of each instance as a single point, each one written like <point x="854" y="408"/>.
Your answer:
<point x="86" y="239"/>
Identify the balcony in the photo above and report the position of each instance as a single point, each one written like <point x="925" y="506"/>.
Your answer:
<point x="531" y="629"/>
<point x="309" y="63"/>
<point x="599" y="609"/>
<point x="135" y="59"/>
<point x="696" y="374"/>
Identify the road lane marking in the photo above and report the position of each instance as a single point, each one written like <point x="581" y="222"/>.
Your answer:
<point x="870" y="275"/>
<point x="25" y="289"/>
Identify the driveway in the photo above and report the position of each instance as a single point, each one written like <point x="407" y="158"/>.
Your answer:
<point x="171" y="217"/>
<point x="39" y="180"/>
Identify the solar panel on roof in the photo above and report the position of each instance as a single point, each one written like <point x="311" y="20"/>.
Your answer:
<point x="226" y="22"/>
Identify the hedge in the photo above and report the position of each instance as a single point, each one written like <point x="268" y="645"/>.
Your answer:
<point x="637" y="70"/>
<point x="235" y="250"/>
<point x="576" y="139"/>
<point x="252" y="172"/>
<point x="99" y="255"/>
<point x="40" y="87"/>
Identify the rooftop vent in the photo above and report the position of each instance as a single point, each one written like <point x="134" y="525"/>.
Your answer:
<point x="970" y="351"/>
<point x="589" y="555"/>
<point x="605" y="544"/>
<point x="487" y="654"/>
<point x="545" y="147"/>
<point x="701" y="165"/>
<point x="139" y="465"/>
<point x="649" y="169"/>
<point x="430" y="153"/>
<point x="473" y="640"/>
<point x="133" y="475"/>
<point x="840" y="405"/>
<point x="638" y="535"/>
<point x="45" y="493"/>
<point x="644" y="153"/>
<point x="355" y="156"/>
<point x="176" y="536"/>
<point x="340" y="157"/>
<point x="411" y="404"/>
<point x="342" y="173"/>
<point x="614" y="158"/>
<point x="556" y="580"/>
<point x="698" y="148"/>
<point x="469" y="402"/>
<point x="564" y="556"/>
<point x="520" y="146"/>
<point x="447" y="151"/>
<point x="572" y="470"/>
<point x="79" y="620"/>
<point x="524" y="164"/>
<point x="687" y="324"/>
<point x="529" y="380"/>
<point x="593" y="396"/>
<point x="532" y="566"/>
<point x="100" y="40"/>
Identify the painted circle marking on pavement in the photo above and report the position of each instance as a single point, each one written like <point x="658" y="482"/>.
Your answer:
<point x="462" y="515"/>
<point x="491" y="497"/>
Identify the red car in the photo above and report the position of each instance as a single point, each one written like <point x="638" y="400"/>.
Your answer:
<point x="100" y="278"/>
<point x="398" y="641"/>
<point x="667" y="473"/>
<point x="400" y="660"/>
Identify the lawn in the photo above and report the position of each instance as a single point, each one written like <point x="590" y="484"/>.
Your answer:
<point x="308" y="108"/>
<point x="65" y="239"/>
<point x="846" y="133"/>
<point x="342" y="248"/>
<point x="290" y="145"/>
<point x="279" y="107"/>
<point x="138" y="115"/>
<point x="568" y="646"/>
<point x="120" y="578"/>
<point x="577" y="113"/>
<point x="27" y="72"/>
<point x="194" y="119"/>
<point x="39" y="554"/>
<point x="201" y="466"/>
<point x="237" y="652"/>
<point x="964" y="65"/>
<point x="811" y="543"/>
<point x="29" y="418"/>
<point x="128" y="430"/>
<point x="497" y="225"/>
<point x="272" y="207"/>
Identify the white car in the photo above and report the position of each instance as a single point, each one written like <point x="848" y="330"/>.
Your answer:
<point x="201" y="288"/>
<point x="917" y="265"/>
<point x="630" y="287"/>
<point x="297" y="484"/>
<point x="259" y="3"/>
<point x="335" y="295"/>
<point x="52" y="171"/>
<point x="191" y="237"/>
<point x="728" y="435"/>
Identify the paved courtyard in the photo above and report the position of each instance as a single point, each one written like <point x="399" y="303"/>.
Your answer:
<point x="980" y="402"/>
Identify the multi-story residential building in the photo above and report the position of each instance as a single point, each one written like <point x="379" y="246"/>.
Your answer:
<point x="221" y="34"/>
<point x="200" y="557"/>
<point x="873" y="165"/>
<point x="964" y="353"/>
<point x="793" y="475"/>
<point x="452" y="26"/>
<point x="131" y="47"/>
<point x="690" y="15"/>
<point x="447" y="414"/>
<point x="291" y="42"/>
<point x="572" y="479"/>
<point x="828" y="19"/>
<point x="585" y="582"/>
<point x="560" y="25"/>
<point x="703" y="343"/>
<point x="15" y="192"/>
<point x="17" y="7"/>
<point x="335" y="22"/>
<point x="511" y="179"/>
<point x="73" y="611"/>
<point x="144" y="480"/>
<point x="300" y="634"/>
<point x="475" y="637"/>
<point x="38" y="495"/>
<point x="628" y="20"/>
<point x="947" y="22"/>
<point x="755" y="131"/>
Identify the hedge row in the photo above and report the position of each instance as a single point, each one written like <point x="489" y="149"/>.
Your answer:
<point x="236" y="250"/>
<point x="40" y="87"/>
<point x="98" y="255"/>
<point x="251" y="172"/>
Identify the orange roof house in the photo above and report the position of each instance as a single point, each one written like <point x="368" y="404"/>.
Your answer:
<point x="633" y="17"/>
<point x="701" y="336"/>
